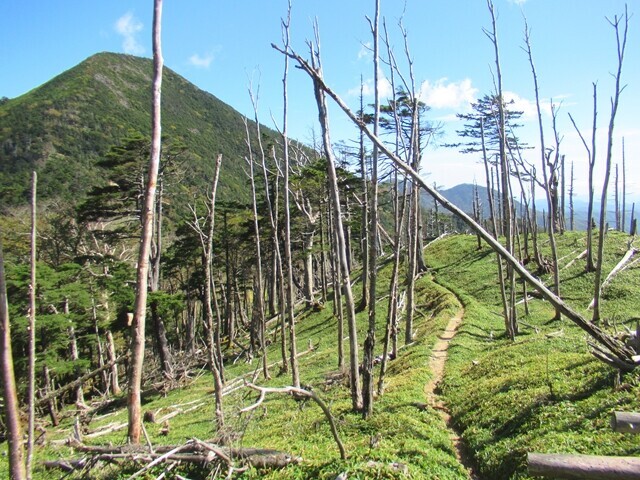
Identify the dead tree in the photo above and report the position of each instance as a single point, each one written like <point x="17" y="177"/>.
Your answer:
<point x="511" y="324"/>
<point x="212" y="326"/>
<point x="613" y="351"/>
<point x="31" y="385"/>
<point x="111" y="355"/>
<point x="289" y="296"/>
<point x="621" y="43"/>
<point x="9" y="392"/>
<point x="368" y="379"/>
<point x="591" y="156"/>
<point x="571" y="194"/>
<point x="140" y="308"/>
<point x="624" y="187"/>
<point x="354" y="377"/>
<point x="258" y="317"/>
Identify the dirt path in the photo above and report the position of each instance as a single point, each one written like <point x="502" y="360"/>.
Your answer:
<point x="436" y="364"/>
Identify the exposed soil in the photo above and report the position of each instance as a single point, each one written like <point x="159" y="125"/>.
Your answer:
<point x="436" y="364"/>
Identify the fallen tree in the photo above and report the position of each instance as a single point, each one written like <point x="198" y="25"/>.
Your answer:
<point x="586" y="467"/>
<point x="193" y="451"/>
<point x="625" y="422"/>
<point x="76" y="383"/>
<point x="622" y="264"/>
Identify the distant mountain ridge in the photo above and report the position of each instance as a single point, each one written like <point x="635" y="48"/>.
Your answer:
<point x="462" y="196"/>
<point x="64" y="126"/>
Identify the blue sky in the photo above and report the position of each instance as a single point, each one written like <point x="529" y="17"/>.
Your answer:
<point x="223" y="46"/>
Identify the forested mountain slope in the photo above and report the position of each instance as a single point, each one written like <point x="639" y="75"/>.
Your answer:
<point x="62" y="128"/>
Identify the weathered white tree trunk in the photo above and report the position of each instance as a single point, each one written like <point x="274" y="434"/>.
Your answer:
<point x="621" y="45"/>
<point x="9" y="393"/>
<point x="368" y="379"/>
<point x="140" y="309"/>
<point x="111" y="356"/>
<point x="617" y="353"/>
<point x="354" y="377"/>
<point x="31" y="386"/>
<point x="289" y="295"/>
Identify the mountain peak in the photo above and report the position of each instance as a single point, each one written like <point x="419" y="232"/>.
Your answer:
<point x="62" y="128"/>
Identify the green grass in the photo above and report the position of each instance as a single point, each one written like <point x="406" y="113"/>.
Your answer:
<point x="544" y="392"/>
<point x="407" y="433"/>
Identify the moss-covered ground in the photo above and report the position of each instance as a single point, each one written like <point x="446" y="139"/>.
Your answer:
<point x="544" y="392"/>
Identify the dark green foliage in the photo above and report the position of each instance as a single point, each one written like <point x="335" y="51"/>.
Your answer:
<point x="65" y="127"/>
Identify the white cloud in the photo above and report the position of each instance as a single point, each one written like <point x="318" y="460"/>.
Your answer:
<point x="444" y="94"/>
<point x="528" y="107"/>
<point x="128" y="27"/>
<point x="201" y="61"/>
<point x="367" y="89"/>
<point x="365" y="51"/>
<point x="518" y="2"/>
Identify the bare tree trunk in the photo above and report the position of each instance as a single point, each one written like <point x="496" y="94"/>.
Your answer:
<point x="159" y="330"/>
<point x="591" y="155"/>
<point x="624" y="187"/>
<point x="550" y="179"/>
<point x="293" y="356"/>
<point x="111" y="355"/>
<point x="356" y="391"/>
<point x="477" y="211"/>
<point x="214" y="355"/>
<point x="51" y="404"/>
<point x="495" y="226"/>
<point x="611" y="350"/>
<point x="259" y="310"/>
<point x="73" y="348"/>
<point x="507" y="218"/>
<point x="338" y="311"/>
<point x="562" y="219"/>
<point x="100" y="349"/>
<point x="391" y="333"/>
<point x="571" y="209"/>
<point x="31" y="390"/>
<point x="17" y="469"/>
<point x="368" y="379"/>
<point x="279" y="274"/>
<point x="616" y="186"/>
<point x="323" y="258"/>
<point x="140" y="309"/>
<point x="412" y="244"/>
<point x="364" y="237"/>
<point x="621" y="44"/>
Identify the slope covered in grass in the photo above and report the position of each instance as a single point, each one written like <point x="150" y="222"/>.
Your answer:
<point x="544" y="392"/>
<point x="404" y="439"/>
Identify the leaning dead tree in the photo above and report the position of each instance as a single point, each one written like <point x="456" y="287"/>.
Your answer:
<point x="323" y="116"/>
<point x="613" y="352"/>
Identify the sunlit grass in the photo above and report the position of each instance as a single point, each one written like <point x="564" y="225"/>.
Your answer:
<point x="544" y="392"/>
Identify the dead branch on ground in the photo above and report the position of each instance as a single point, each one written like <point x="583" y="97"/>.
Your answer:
<point x="300" y="392"/>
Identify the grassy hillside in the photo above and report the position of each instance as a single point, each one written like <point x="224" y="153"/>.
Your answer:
<point x="405" y="435"/>
<point x="544" y="392"/>
<point x="61" y="128"/>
